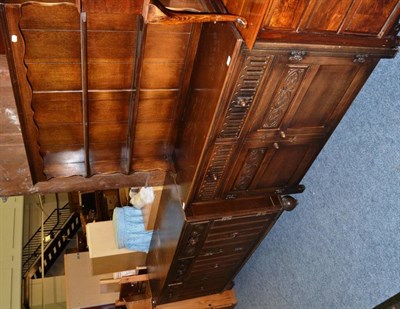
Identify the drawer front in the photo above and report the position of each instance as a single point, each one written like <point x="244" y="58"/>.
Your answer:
<point x="211" y="252"/>
<point x="258" y="220"/>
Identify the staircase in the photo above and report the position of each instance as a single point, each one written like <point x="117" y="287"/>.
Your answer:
<point x="59" y="228"/>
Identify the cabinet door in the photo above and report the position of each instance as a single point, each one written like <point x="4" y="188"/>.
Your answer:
<point x="308" y="93"/>
<point x="267" y="166"/>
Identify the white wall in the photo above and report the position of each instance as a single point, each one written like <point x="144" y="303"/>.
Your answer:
<point x="54" y="291"/>
<point x="11" y="216"/>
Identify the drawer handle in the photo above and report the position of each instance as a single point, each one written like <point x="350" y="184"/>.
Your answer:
<point x="297" y="55"/>
<point x="210" y="253"/>
<point x="242" y="102"/>
<point x="360" y="58"/>
<point x="234" y="235"/>
<point x="192" y="241"/>
<point x="283" y="134"/>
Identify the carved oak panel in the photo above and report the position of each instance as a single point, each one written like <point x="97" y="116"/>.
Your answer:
<point x="307" y="93"/>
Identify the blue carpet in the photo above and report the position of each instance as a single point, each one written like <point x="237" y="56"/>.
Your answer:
<point x="340" y="248"/>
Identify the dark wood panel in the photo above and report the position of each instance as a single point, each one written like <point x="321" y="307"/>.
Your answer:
<point x="63" y="161"/>
<point x="65" y="169"/>
<point x="370" y="17"/>
<point x="2" y="44"/>
<point x="112" y="165"/>
<point x="165" y="46"/>
<point x="332" y="22"/>
<point x="110" y="151"/>
<point x="45" y="76"/>
<point x="107" y="132"/>
<point x="156" y="105"/>
<point x="113" y="6"/>
<point x="105" y="76"/>
<point x="52" y="46"/>
<point x="62" y="17"/>
<point x="326" y="15"/>
<point x="143" y="149"/>
<point x="60" y="134"/>
<point x="284" y="14"/>
<point x="111" y="46"/>
<point x="169" y="79"/>
<point x="181" y="28"/>
<point x="152" y="131"/>
<point x="58" y="107"/>
<point x="111" y="21"/>
<point x="282" y="166"/>
<point x="149" y="164"/>
<point x="109" y="106"/>
<point x="323" y="96"/>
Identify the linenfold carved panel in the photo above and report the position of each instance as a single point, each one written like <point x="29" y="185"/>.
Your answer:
<point x="246" y="88"/>
<point x="284" y="96"/>
<point x="216" y="167"/>
<point x="252" y="162"/>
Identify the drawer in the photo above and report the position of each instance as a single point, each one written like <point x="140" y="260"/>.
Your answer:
<point x="225" y="249"/>
<point x="239" y="223"/>
<point x="173" y="291"/>
<point x="221" y="265"/>
<point x="222" y="257"/>
<point x="217" y="275"/>
<point x="233" y="233"/>
<point x="200" y="288"/>
<point x="232" y="241"/>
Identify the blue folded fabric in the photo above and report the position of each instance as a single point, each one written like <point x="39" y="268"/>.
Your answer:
<point x="129" y="229"/>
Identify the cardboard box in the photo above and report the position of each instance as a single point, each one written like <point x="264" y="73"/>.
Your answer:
<point x="104" y="254"/>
